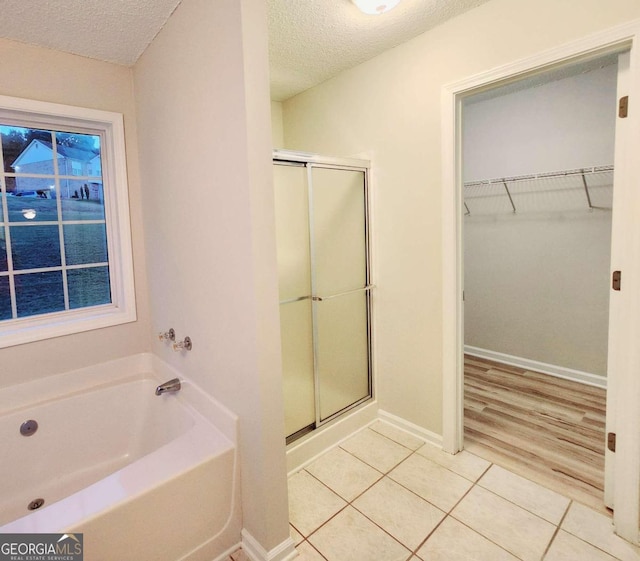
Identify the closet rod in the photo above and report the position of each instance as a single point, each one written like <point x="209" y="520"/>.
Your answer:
<point x="550" y="175"/>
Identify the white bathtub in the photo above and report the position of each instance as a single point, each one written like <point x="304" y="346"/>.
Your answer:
<point x="143" y="477"/>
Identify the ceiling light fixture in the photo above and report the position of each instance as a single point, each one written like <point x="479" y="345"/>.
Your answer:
<point x="375" y="7"/>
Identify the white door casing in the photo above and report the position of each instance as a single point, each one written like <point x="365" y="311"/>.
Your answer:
<point x="615" y="303"/>
<point x="623" y="407"/>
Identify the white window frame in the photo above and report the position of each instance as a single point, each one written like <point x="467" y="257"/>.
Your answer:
<point x="110" y="127"/>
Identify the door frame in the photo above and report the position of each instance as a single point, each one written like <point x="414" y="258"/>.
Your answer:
<point x="624" y="321"/>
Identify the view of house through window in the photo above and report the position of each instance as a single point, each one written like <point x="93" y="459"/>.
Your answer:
<point x="53" y="235"/>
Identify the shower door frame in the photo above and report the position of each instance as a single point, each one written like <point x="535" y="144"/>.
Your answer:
<point x="311" y="162"/>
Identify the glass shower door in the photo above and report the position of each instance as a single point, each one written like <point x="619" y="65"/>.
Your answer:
<point x="340" y="282"/>
<point x="294" y="269"/>
<point x="321" y="228"/>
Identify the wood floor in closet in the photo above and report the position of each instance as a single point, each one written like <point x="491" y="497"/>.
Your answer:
<point x="547" y="429"/>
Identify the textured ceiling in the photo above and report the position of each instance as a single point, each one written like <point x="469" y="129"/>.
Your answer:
<point x="112" y="30"/>
<point x="312" y="40"/>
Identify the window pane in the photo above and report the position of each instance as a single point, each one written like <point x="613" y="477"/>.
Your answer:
<point x="88" y="287"/>
<point x="35" y="204"/>
<point x="26" y="151"/>
<point x="3" y="251"/>
<point x="35" y="247"/>
<point x="78" y="154"/>
<point x="85" y="243"/>
<point x="39" y="293"/>
<point x="81" y="200"/>
<point x="5" y="299"/>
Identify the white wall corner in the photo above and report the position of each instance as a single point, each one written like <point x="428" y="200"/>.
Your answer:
<point x="411" y="428"/>
<point x="286" y="551"/>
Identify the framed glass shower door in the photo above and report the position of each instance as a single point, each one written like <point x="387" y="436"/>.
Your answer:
<point x="294" y="272"/>
<point x="323" y="261"/>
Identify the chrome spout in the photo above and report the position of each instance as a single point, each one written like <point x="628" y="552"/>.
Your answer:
<point x="170" y="386"/>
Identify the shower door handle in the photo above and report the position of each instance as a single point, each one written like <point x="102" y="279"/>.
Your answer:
<point x="331" y="296"/>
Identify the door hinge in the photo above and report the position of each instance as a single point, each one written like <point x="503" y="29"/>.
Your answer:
<point x="611" y="441"/>
<point x="616" y="280"/>
<point x="623" y="107"/>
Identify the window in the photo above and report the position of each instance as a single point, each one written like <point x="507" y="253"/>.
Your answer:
<point x="65" y="242"/>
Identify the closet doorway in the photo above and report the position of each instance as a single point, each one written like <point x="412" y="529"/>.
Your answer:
<point x="537" y="165"/>
<point x="622" y="467"/>
<point x="321" y="207"/>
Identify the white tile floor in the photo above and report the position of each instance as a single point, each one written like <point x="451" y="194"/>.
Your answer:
<point x="385" y="495"/>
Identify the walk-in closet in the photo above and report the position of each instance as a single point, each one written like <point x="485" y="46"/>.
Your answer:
<point x="538" y="174"/>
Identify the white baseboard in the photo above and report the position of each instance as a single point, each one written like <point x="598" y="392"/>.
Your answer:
<point x="286" y="551"/>
<point x="550" y="369"/>
<point x="410" y="428"/>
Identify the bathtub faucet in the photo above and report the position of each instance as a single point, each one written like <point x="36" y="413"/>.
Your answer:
<point x="170" y="386"/>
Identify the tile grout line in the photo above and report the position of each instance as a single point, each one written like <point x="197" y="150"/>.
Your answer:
<point x="448" y="514"/>
<point x="476" y="484"/>
<point x="382" y="475"/>
<point x="306" y="538"/>
<point x="546" y="551"/>
<point x="518" y="505"/>
<point x="350" y="503"/>
<point x="585" y="541"/>
<point x="413" y="452"/>
<point x="313" y="547"/>
<point x="386" y="474"/>
<point x="395" y="441"/>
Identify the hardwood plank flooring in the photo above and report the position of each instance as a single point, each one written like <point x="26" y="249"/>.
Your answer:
<point x="546" y="429"/>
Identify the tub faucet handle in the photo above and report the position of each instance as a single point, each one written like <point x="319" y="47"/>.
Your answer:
<point x="167" y="335"/>
<point x="185" y="344"/>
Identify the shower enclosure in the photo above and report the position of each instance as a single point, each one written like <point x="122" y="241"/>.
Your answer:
<point x="325" y="287"/>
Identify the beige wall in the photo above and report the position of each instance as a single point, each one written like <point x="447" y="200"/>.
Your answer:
<point x="46" y="75"/>
<point x="390" y="107"/>
<point x="277" y="130"/>
<point x="205" y="155"/>
<point x="537" y="286"/>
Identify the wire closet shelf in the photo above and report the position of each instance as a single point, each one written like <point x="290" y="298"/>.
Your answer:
<point x="566" y="190"/>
